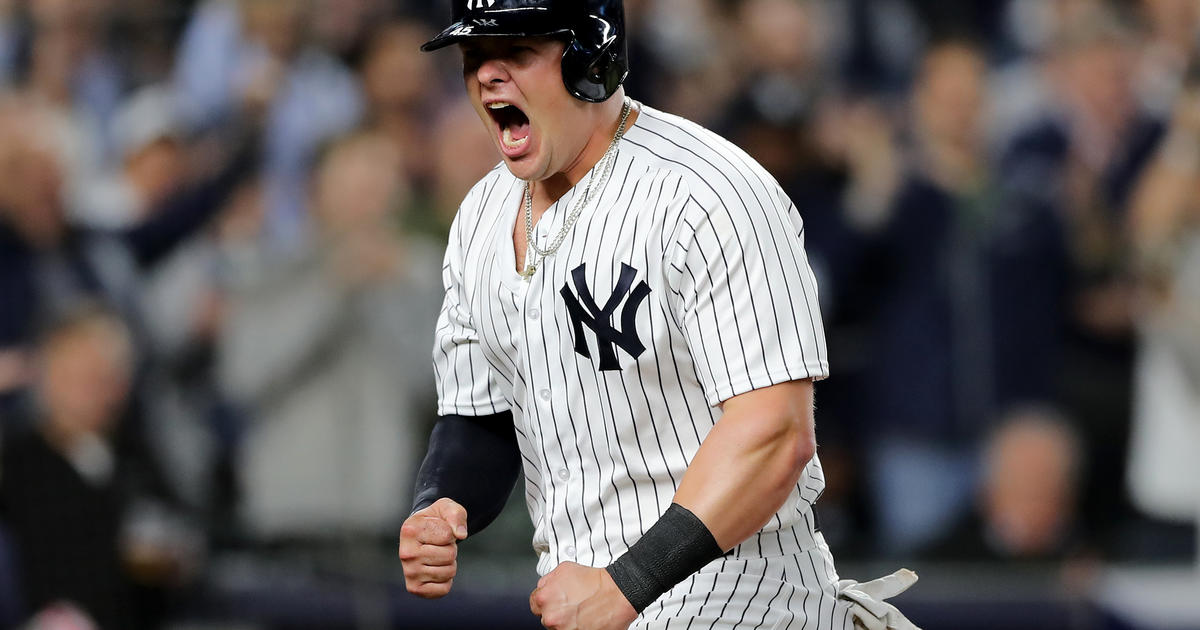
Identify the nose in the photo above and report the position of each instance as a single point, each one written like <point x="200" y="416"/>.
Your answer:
<point x="492" y="71"/>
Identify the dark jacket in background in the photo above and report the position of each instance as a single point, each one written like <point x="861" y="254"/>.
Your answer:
<point x="64" y="532"/>
<point x="968" y="314"/>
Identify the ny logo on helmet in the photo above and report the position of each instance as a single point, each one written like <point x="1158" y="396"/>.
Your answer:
<point x="480" y="4"/>
<point x="584" y="311"/>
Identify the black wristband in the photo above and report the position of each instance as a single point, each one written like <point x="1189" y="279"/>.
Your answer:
<point x="676" y="546"/>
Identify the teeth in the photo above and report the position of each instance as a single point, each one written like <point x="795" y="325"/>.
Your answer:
<point x="498" y="105"/>
<point x="513" y="144"/>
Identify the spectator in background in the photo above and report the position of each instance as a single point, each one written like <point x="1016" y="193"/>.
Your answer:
<point x="1084" y="156"/>
<point x="966" y="317"/>
<point x="343" y="27"/>
<point x="50" y="264"/>
<point x="693" y="45"/>
<point x="877" y="43"/>
<point x="151" y="160"/>
<point x="255" y="54"/>
<point x="400" y="102"/>
<point x="1173" y="27"/>
<point x="180" y="297"/>
<point x="782" y="56"/>
<point x="142" y="36"/>
<point x="462" y="154"/>
<point x="1028" y="499"/>
<point x="69" y="488"/>
<point x="325" y="348"/>
<point x="1164" y="475"/>
<point x="76" y="80"/>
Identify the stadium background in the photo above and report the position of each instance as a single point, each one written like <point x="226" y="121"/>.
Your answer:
<point x="1000" y="200"/>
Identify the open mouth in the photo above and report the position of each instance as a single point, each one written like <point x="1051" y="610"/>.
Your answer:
<point x="513" y="128"/>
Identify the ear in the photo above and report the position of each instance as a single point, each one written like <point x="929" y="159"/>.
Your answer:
<point x="595" y="62"/>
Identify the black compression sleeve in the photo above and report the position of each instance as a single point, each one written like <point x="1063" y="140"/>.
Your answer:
<point x="473" y="460"/>
<point x="676" y="546"/>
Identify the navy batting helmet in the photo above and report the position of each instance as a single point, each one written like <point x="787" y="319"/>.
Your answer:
<point x="595" y="62"/>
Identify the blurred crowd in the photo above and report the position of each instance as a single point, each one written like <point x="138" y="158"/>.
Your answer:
<point x="221" y="228"/>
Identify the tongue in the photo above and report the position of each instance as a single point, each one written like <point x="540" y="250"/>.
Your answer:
<point x="519" y="131"/>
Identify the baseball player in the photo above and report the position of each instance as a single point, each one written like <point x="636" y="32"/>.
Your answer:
<point x="630" y="321"/>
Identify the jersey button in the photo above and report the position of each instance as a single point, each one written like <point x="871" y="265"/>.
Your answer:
<point x="569" y="552"/>
<point x="564" y="474"/>
<point x="545" y="394"/>
<point x="534" y="313"/>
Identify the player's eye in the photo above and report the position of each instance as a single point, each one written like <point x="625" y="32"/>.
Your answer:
<point x="471" y="62"/>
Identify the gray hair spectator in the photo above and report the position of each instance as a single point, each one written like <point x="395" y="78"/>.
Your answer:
<point x="325" y="349"/>
<point x="1028" y="506"/>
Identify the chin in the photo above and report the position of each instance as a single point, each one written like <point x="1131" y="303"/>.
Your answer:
<point x="526" y="168"/>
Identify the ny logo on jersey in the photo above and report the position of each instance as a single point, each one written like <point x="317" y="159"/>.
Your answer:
<point x="480" y="4"/>
<point x="584" y="310"/>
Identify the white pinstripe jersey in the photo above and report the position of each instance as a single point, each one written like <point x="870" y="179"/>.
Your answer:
<point x="684" y="283"/>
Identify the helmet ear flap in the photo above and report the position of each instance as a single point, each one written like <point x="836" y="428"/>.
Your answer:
<point x="595" y="63"/>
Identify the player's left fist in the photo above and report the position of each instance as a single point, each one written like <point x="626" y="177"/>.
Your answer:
<point x="575" y="597"/>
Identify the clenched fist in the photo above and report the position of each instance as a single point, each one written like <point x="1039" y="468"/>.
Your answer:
<point x="575" y="597"/>
<point x="429" y="548"/>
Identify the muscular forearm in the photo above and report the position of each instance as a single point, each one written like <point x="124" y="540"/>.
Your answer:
<point x="742" y="474"/>
<point x="750" y="461"/>
<point x="473" y="460"/>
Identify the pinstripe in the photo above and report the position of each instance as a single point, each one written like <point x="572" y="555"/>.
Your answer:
<point x="583" y="491"/>
<point x="767" y="608"/>
<point x="558" y="440"/>
<point x="754" y="228"/>
<point x="658" y="367"/>
<point x="790" y="611"/>
<point x="552" y="524"/>
<point x="750" y="600"/>
<point x="471" y="355"/>
<point x="810" y="304"/>
<point x="830" y="579"/>
<point x="720" y="248"/>
<point x="606" y="424"/>
<point x="807" y="592"/>
<point x="638" y="367"/>
<point x="608" y="410"/>
<point x="821" y="601"/>
<point x="707" y="596"/>
<point x="714" y="192"/>
<point x="490" y="314"/>
<point x="691" y="591"/>
<point x="592" y="444"/>
<point x="737" y="579"/>
<point x="716" y="323"/>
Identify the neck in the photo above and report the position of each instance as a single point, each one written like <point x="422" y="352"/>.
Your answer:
<point x="62" y="435"/>
<point x="552" y="188"/>
<point x="955" y="165"/>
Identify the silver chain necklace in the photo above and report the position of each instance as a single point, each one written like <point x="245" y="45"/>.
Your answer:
<point x="596" y="180"/>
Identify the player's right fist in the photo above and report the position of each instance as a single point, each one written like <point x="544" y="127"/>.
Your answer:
<point x="429" y="547"/>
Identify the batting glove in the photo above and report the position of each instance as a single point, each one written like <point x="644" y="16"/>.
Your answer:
<point x="867" y="605"/>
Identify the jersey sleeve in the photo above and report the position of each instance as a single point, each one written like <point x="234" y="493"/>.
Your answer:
<point x="746" y="297"/>
<point x="466" y="383"/>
